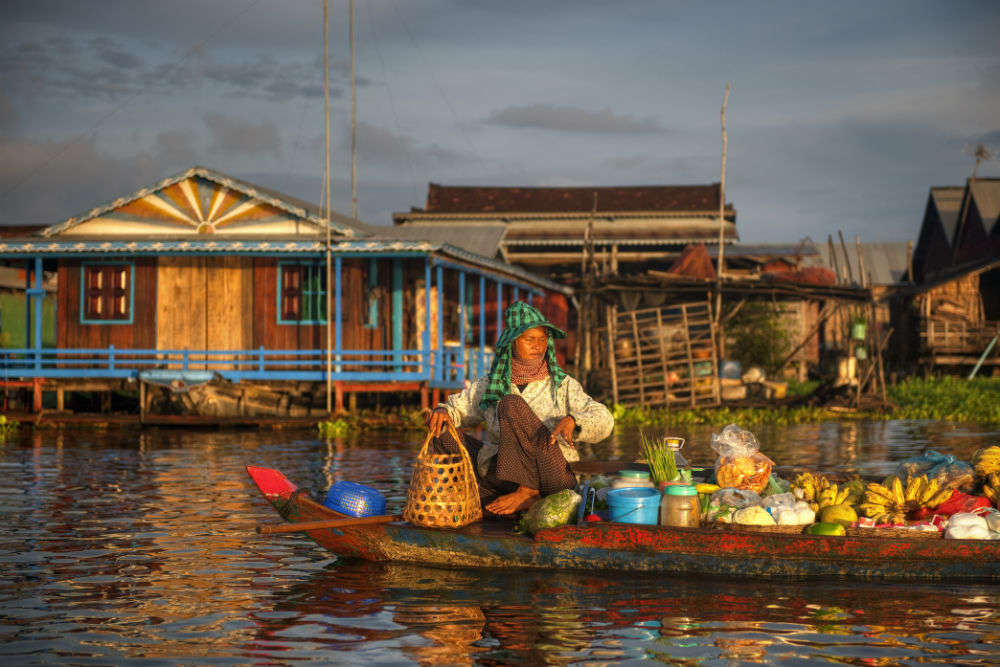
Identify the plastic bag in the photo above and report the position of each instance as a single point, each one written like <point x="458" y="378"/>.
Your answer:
<point x="779" y="501"/>
<point x="724" y="502"/>
<point x="551" y="511"/>
<point x="945" y="468"/>
<point x="958" y="503"/>
<point x="740" y="464"/>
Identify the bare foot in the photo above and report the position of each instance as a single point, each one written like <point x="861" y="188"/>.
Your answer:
<point x="519" y="500"/>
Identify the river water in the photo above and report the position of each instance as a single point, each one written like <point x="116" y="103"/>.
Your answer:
<point x="138" y="548"/>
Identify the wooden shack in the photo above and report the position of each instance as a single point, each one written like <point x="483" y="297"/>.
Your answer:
<point x="949" y="312"/>
<point x="209" y="295"/>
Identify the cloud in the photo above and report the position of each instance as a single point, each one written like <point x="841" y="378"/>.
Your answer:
<point x="572" y="119"/>
<point x="112" y="53"/>
<point x="8" y="115"/>
<point x="69" y="190"/>
<point x="381" y="147"/>
<point x="176" y="149"/>
<point x="232" y="135"/>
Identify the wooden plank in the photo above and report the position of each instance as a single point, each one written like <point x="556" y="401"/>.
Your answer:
<point x="690" y="359"/>
<point x="610" y="314"/>
<point x="635" y="335"/>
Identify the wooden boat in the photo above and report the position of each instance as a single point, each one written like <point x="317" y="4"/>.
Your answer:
<point x="638" y="548"/>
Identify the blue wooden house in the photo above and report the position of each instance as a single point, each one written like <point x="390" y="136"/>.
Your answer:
<point x="216" y="290"/>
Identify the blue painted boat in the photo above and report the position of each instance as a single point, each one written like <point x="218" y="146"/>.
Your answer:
<point x="731" y="551"/>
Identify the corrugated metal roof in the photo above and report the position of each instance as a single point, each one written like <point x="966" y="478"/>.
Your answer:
<point x="885" y="262"/>
<point x="342" y="225"/>
<point x="481" y="239"/>
<point x="948" y="201"/>
<point x="986" y="194"/>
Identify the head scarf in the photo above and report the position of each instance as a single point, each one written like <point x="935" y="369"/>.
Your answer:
<point x="518" y="318"/>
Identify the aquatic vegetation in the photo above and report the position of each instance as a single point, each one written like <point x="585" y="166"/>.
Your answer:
<point x="336" y="428"/>
<point x="948" y="398"/>
<point x="7" y="428"/>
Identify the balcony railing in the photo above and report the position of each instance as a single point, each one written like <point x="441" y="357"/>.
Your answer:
<point x="447" y="367"/>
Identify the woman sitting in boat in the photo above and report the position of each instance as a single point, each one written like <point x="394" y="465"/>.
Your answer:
<point x="528" y="407"/>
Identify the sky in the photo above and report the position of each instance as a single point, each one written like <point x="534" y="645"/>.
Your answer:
<point x="841" y="116"/>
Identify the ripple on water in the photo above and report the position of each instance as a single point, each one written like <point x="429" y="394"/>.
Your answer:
<point x="138" y="548"/>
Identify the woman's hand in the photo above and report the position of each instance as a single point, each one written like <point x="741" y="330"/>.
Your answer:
<point x="565" y="429"/>
<point x="438" y="421"/>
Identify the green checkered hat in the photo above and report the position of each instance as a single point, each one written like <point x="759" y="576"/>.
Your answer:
<point x="518" y="318"/>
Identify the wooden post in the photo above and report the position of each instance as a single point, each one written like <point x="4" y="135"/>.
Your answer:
<point x="909" y="262"/>
<point x="610" y="313"/>
<point x="716" y="388"/>
<point x="638" y="359"/>
<point x="687" y="343"/>
<point x="847" y="260"/>
<point x="424" y="398"/>
<point x="338" y="390"/>
<point x="142" y="401"/>
<point x="663" y="357"/>
<point x="861" y="264"/>
<point x="61" y="398"/>
<point x="878" y="348"/>
<point x="36" y="393"/>
<point x="833" y="257"/>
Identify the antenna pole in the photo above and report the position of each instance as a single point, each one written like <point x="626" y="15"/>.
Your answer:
<point x="354" y="123"/>
<point x="329" y="204"/>
<point x="720" y="264"/>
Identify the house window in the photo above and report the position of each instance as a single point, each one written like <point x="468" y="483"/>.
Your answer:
<point x="106" y="294"/>
<point x="301" y="293"/>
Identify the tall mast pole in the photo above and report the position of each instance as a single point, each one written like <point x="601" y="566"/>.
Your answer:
<point x="354" y="123"/>
<point x="329" y="205"/>
<point x="720" y="265"/>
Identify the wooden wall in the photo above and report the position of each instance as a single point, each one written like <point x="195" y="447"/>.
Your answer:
<point x="204" y="303"/>
<point x="140" y="334"/>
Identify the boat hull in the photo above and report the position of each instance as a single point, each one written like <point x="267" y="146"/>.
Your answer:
<point x="635" y="548"/>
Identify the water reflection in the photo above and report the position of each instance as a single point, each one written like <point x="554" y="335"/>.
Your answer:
<point x="139" y="547"/>
<point x="440" y="616"/>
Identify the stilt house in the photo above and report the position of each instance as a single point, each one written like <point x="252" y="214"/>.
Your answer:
<point x="952" y="306"/>
<point x="215" y="290"/>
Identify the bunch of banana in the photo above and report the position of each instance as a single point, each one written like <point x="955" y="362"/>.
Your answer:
<point x="832" y="495"/>
<point x="892" y="501"/>
<point x="987" y="461"/>
<point x="991" y="487"/>
<point x="808" y="487"/>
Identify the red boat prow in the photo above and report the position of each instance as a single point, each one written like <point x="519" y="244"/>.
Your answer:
<point x="271" y="482"/>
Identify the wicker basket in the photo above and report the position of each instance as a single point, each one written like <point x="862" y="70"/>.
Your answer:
<point x="443" y="492"/>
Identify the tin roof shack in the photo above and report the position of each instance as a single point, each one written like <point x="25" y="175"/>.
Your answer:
<point x="554" y="231"/>
<point x="653" y="340"/>
<point x="950" y="312"/>
<point x="212" y="292"/>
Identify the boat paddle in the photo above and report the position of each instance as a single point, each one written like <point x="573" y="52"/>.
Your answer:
<point x="272" y="529"/>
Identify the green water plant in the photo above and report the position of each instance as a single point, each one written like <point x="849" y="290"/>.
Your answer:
<point x="334" y="428"/>
<point x="7" y="428"/>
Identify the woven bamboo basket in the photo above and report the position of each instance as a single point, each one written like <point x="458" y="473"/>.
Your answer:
<point x="443" y="491"/>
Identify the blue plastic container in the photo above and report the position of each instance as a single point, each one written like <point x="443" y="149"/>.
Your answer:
<point x="355" y="499"/>
<point x="730" y="370"/>
<point x="634" y="505"/>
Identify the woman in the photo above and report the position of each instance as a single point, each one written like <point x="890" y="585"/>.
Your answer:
<point x="528" y="407"/>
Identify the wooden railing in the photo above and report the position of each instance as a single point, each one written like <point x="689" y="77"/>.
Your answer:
<point x="956" y="337"/>
<point x="663" y="356"/>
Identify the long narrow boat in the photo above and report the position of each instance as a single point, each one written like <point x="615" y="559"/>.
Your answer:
<point x="627" y="547"/>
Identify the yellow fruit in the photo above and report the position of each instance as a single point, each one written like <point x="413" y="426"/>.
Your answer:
<point x="879" y="491"/>
<point x="939" y="498"/>
<point x="842" y="514"/>
<point x="706" y="488"/>
<point x="987" y="461"/>
<point x="929" y="491"/>
<point x="897" y="491"/>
